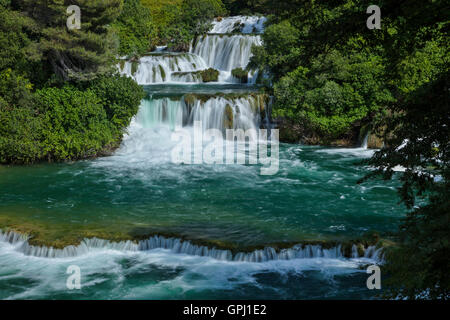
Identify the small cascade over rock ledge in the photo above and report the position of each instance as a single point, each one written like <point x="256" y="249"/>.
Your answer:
<point x="180" y="246"/>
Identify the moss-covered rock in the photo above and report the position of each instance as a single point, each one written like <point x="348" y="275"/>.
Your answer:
<point x="134" y="67"/>
<point x="374" y="142"/>
<point x="163" y="73"/>
<point x="210" y="75"/>
<point x="122" y="65"/>
<point x="228" y="117"/>
<point x="237" y="27"/>
<point x="240" y="74"/>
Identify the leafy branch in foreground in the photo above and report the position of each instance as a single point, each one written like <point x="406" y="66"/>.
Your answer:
<point x="418" y="141"/>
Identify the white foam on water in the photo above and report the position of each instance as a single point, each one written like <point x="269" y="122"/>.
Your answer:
<point x="160" y="68"/>
<point x="242" y="24"/>
<point x="107" y="272"/>
<point x="357" y="152"/>
<point x="225" y="52"/>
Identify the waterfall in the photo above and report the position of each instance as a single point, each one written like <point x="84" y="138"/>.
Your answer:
<point x="157" y="112"/>
<point x="215" y="112"/>
<point x="365" y="141"/>
<point x="159" y="68"/>
<point x="180" y="246"/>
<point x="218" y="49"/>
<point x="225" y="52"/>
<point x="239" y="24"/>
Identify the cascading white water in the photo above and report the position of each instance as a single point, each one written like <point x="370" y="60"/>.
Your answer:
<point x="241" y="113"/>
<point x="165" y="112"/>
<point x="159" y="68"/>
<point x="218" y="50"/>
<point x="225" y="52"/>
<point x="216" y="112"/>
<point x="187" y="247"/>
<point x="365" y="142"/>
<point x="241" y="24"/>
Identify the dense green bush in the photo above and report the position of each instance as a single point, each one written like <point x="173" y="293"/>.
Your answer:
<point x="120" y="97"/>
<point x="135" y="28"/>
<point x="20" y="125"/>
<point x="337" y="91"/>
<point x="67" y="123"/>
<point x="75" y="123"/>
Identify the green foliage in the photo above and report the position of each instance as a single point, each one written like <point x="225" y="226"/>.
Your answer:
<point x="334" y="93"/>
<point x="14" y="89"/>
<point x="247" y="7"/>
<point x="120" y="97"/>
<point x="20" y="125"/>
<point x="75" y="55"/>
<point x="179" y="21"/>
<point x="197" y="14"/>
<point x="18" y="50"/>
<point x="419" y="268"/>
<point x="68" y="123"/>
<point x="75" y="123"/>
<point x="210" y="75"/>
<point x="280" y="52"/>
<point x="61" y="120"/>
<point x="418" y="139"/>
<point x="135" y="28"/>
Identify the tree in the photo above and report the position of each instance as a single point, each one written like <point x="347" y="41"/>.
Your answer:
<point x="418" y="140"/>
<point x="75" y="54"/>
<point x="135" y="28"/>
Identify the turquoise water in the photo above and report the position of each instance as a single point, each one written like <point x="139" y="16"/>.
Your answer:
<point x="159" y="274"/>
<point x="313" y="196"/>
<point x="140" y="191"/>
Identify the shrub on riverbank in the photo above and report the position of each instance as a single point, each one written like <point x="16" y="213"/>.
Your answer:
<point x="67" y="123"/>
<point x="59" y="97"/>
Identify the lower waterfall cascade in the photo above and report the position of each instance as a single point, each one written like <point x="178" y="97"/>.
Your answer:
<point x="187" y="247"/>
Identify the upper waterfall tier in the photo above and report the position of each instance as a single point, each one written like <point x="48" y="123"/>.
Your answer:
<point x="224" y="52"/>
<point x="216" y="50"/>
<point x="157" y="68"/>
<point x="239" y="24"/>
